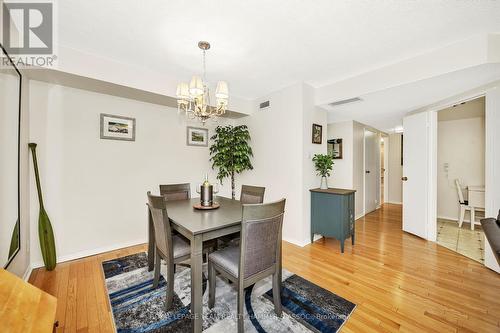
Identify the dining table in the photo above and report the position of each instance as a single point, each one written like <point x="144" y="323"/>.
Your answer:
<point x="199" y="226"/>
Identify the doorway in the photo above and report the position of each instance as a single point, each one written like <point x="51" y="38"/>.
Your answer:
<point x="372" y="167"/>
<point x="461" y="177"/>
<point x="384" y="163"/>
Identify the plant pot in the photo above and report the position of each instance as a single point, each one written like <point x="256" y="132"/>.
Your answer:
<point x="324" y="183"/>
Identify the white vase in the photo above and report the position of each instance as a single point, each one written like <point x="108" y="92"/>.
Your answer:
<point x="324" y="183"/>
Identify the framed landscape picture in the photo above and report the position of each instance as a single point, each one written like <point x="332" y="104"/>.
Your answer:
<point x="317" y="134"/>
<point x="197" y="136"/>
<point x="117" y="127"/>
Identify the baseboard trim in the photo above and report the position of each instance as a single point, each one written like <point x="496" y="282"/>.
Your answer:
<point x="357" y="217"/>
<point x="27" y="273"/>
<point x="91" y="252"/>
<point x="394" y="202"/>
<point x="455" y="219"/>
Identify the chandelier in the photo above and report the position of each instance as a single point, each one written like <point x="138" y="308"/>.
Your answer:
<point x="194" y="98"/>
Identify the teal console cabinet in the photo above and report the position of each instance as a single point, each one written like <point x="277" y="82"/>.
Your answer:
<point x="332" y="214"/>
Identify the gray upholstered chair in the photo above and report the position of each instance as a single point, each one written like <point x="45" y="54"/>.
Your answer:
<point x="172" y="249"/>
<point x="257" y="256"/>
<point x="249" y="195"/>
<point x="176" y="191"/>
<point x="252" y="194"/>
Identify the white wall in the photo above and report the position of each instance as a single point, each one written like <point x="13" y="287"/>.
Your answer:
<point x="395" y="170"/>
<point x="95" y="190"/>
<point x="311" y="115"/>
<point x="358" y="166"/>
<point x="277" y="146"/>
<point x="461" y="146"/>
<point x="342" y="169"/>
<point x="281" y="141"/>
<point x="349" y="172"/>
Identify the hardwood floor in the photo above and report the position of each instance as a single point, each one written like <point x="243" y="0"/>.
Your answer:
<point x="399" y="282"/>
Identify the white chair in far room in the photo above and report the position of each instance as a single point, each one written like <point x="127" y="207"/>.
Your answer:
<point x="464" y="205"/>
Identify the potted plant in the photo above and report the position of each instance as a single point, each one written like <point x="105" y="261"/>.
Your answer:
<point x="324" y="165"/>
<point x="230" y="152"/>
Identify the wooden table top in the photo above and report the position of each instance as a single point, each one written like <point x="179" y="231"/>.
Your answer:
<point x="23" y="307"/>
<point x="196" y="221"/>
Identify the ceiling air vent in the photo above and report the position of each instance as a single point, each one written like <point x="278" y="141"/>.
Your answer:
<point x="346" y="101"/>
<point x="264" y="105"/>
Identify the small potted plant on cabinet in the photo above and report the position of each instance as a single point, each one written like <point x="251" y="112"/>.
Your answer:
<point x="324" y="165"/>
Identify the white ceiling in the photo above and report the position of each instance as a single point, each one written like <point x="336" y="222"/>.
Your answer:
<point x="385" y="109"/>
<point x="260" y="46"/>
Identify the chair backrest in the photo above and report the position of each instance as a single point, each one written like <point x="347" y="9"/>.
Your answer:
<point x="161" y="223"/>
<point x="252" y="194"/>
<point x="176" y="191"/>
<point x="459" y="192"/>
<point x="260" y="244"/>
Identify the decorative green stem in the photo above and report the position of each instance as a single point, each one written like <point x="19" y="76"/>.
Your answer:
<point x="32" y="147"/>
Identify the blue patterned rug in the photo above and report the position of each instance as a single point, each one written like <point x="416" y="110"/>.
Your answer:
<point x="138" y="308"/>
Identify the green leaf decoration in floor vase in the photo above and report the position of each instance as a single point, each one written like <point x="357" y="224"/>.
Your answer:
<point x="45" y="233"/>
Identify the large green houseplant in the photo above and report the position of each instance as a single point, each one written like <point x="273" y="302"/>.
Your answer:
<point x="230" y="153"/>
<point x="324" y="166"/>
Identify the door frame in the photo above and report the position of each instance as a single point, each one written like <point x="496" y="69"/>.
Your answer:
<point x="491" y="92"/>
<point x="377" y="155"/>
<point x="386" y="167"/>
<point x="432" y="137"/>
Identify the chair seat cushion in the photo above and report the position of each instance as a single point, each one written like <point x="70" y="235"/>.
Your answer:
<point x="227" y="259"/>
<point x="181" y="246"/>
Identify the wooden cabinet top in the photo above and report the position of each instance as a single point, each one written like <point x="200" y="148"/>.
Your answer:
<point x="338" y="191"/>
<point x="23" y="307"/>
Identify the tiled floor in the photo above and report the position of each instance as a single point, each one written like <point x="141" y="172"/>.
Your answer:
<point x="462" y="240"/>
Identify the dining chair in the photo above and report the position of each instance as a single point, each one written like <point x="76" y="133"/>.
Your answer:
<point x="171" y="248"/>
<point x="257" y="256"/>
<point x="464" y="205"/>
<point x="176" y="191"/>
<point x="252" y="194"/>
<point x="249" y="195"/>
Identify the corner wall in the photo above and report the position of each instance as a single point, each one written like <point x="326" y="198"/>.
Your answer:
<point x="349" y="172"/>
<point x="95" y="190"/>
<point x="281" y="142"/>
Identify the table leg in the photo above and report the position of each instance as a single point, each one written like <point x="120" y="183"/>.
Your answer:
<point x="151" y="242"/>
<point x="196" y="283"/>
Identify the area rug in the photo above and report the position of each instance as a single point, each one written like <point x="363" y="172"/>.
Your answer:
<point x="138" y="307"/>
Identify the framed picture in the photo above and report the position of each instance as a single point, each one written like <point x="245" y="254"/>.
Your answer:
<point x="117" y="127"/>
<point x="317" y="134"/>
<point x="335" y="148"/>
<point x="197" y="136"/>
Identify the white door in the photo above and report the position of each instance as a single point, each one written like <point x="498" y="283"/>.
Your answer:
<point x="416" y="175"/>
<point x="372" y="173"/>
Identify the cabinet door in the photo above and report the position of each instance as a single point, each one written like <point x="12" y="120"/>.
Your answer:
<point x="326" y="214"/>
